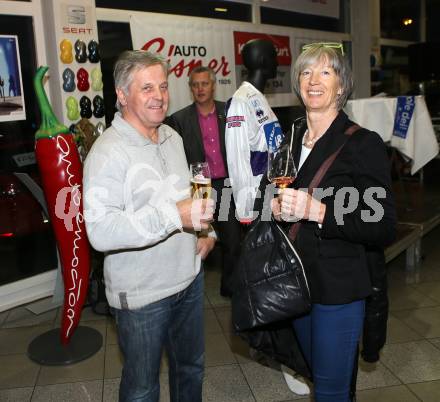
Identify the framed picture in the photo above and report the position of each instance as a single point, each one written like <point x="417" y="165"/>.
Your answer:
<point x="12" y="105"/>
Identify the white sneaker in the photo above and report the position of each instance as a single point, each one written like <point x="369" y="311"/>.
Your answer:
<point x="294" y="381"/>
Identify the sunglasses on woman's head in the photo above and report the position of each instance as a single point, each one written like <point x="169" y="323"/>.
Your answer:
<point x="331" y="45"/>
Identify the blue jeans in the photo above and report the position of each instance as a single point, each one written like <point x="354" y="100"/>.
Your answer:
<point x="328" y="338"/>
<point x="174" y="323"/>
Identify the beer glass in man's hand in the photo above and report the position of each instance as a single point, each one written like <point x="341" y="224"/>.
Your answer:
<point x="200" y="180"/>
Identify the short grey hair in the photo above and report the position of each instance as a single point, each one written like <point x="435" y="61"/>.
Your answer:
<point x="202" y="69"/>
<point x="316" y="53"/>
<point x="131" y="61"/>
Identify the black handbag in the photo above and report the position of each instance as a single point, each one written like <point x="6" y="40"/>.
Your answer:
<point x="271" y="285"/>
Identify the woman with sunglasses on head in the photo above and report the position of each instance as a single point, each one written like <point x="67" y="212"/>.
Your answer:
<point x="339" y="206"/>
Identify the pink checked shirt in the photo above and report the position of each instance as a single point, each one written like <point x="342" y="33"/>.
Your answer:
<point x="211" y="144"/>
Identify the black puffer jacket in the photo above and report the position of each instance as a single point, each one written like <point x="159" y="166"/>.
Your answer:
<point x="270" y="285"/>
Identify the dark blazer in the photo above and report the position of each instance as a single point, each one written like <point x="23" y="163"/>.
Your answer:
<point x="186" y="123"/>
<point x="334" y="256"/>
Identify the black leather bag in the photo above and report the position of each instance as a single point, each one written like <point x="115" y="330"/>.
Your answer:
<point x="271" y="285"/>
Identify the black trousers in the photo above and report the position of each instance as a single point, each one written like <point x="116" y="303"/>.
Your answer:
<point x="229" y="231"/>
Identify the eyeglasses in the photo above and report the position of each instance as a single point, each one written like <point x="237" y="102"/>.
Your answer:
<point x="331" y="45"/>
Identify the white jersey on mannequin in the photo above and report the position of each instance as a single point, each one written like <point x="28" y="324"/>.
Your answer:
<point x="252" y="129"/>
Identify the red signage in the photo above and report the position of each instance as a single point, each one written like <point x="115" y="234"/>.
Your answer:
<point x="183" y="58"/>
<point x="282" y="45"/>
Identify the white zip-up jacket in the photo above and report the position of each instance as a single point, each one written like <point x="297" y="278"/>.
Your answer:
<point x="251" y="130"/>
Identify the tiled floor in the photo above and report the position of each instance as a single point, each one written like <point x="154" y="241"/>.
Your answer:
<point x="409" y="369"/>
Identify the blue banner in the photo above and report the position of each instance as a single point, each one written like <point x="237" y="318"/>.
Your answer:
<point x="404" y="112"/>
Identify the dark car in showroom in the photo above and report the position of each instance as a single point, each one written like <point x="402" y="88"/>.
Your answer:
<point x="27" y="244"/>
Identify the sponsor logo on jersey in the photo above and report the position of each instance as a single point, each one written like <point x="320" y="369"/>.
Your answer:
<point x="274" y="135"/>
<point x="234" y="121"/>
<point x="255" y="103"/>
<point x="259" y="112"/>
<point x="260" y="121"/>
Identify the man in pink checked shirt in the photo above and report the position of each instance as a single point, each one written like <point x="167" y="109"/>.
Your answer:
<point x="202" y="127"/>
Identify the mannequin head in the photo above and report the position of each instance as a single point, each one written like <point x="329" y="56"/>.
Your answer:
<point x="260" y="59"/>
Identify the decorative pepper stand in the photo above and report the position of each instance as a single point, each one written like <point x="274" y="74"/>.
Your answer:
<point x="61" y="172"/>
<point x="46" y="349"/>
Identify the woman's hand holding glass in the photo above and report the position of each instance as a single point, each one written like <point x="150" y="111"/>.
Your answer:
<point x="295" y="205"/>
<point x="281" y="171"/>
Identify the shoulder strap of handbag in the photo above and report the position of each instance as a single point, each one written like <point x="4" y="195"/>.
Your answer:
<point x="320" y="174"/>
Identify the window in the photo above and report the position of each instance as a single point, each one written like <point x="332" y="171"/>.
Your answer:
<point x="114" y="38"/>
<point x="26" y="239"/>
<point x="432" y="25"/>
<point x="400" y="19"/>
<point x="195" y="8"/>
<point x="392" y="77"/>
<point x="276" y="16"/>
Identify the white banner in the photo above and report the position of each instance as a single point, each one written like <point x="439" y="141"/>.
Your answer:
<point x="187" y="45"/>
<point x="188" y="42"/>
<point x="324" y="8"/>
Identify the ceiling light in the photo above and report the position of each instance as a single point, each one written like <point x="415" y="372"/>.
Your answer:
<point x="221" y="9"/>
<point x="407" y="21"/>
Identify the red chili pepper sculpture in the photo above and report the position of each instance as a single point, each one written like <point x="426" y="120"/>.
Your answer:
<point x="61" y="174"/>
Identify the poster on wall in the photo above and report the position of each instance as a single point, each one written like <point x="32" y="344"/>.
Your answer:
<point x="186" y="44"/>
<point x="12" y="105"/>
<point x="189" y="42"/>
<point x="281" y="83"/>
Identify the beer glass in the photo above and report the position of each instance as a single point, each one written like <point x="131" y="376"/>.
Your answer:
<point x="200" y="180"/>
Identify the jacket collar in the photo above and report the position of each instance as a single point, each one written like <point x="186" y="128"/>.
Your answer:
<point x="333" y="138"/>
<point x="134" y="137"/>
<point x="219" y="110"/>
<point x="194" y="117"/>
